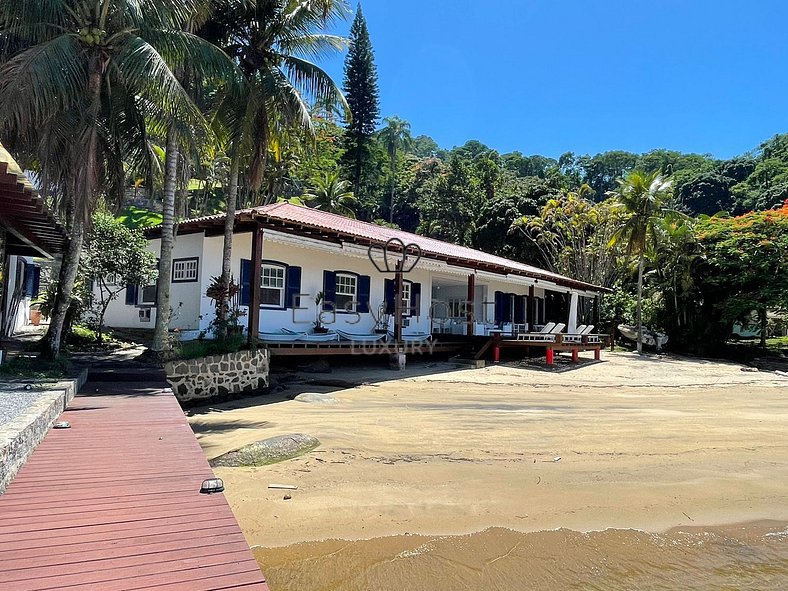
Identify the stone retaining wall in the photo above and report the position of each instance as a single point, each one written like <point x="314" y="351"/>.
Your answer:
<point x="218" y="376"/>
<point x="20" y="436"/>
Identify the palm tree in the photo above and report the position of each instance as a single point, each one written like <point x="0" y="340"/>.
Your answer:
<point x="80" y="80"/>
<point x="272" y="42"/>
<point x="395" y="135"/>
<point x="645" y="201"/>
<point x="331" y="194"/>
<point x="199" y="76"/>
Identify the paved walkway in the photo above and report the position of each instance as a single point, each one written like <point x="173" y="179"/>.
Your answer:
<point x="113" y="503"/>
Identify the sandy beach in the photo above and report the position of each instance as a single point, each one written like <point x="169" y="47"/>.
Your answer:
<point x="649" y="443"/>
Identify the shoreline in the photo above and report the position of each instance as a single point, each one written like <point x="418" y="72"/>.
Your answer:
<point x="755" y="527"/>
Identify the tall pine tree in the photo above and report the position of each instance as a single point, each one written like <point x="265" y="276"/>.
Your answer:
<point x="361" y="92"/>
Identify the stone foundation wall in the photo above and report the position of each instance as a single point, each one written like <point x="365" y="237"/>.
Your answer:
<point x="218" y="376"/>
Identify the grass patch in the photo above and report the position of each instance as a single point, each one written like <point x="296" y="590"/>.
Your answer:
<point x="206" y="347"/>
<point x="135" y="217"/>
<point x="35" y="368"/>
<point x="777" y="343"/>
<point x="84" y="339"/>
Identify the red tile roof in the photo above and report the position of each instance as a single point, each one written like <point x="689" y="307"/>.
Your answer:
<point x="333" y="225"/>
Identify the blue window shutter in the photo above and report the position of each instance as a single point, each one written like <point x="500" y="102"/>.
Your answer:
<point x="28" y="279"/>
<point x="363" y="294"/>
<point x="415" y="299"/>
<point x="131" y="295"/>
<point x="511" y="303"/>
<point x="32" y="280"/>
<point x="499" y="304"/>
<point x="388" y="291"/>
<point x="36" y="280"/>
<point x="293" y="287"/>
<point x="246" y="282"/>
<point x="519" y="309"/>
<point x="329" y="289"/>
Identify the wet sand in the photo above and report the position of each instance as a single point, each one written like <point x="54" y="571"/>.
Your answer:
<point x="754" y="556"/>
<point x="644" y="443"/>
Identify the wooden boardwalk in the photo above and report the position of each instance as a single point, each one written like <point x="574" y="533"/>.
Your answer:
<point x="113" y="503"/>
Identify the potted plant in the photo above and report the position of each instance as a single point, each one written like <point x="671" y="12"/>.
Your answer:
<point x="225" y="300"/>
<point x="382" y="323"/>
<point x="318" y="327"/>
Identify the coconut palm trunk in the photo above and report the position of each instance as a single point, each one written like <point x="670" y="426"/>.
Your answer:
<point x="163" y="311"/>
<point x="85" y="191"/>
<point x="639" y="310"/>
<point x="763" y="321"/>
<point x="229" y="225"/>
<point x="393" y="186"/>
<point x="67" y="280"/>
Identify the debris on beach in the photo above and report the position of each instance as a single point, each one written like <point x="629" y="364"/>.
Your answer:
<point x="284" y="486"/>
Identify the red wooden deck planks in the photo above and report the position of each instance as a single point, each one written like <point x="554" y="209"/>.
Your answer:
<point x="114" y="503"/>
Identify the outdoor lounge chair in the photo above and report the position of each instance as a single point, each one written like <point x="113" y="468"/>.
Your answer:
<point x="546" y="329"/>
<point x="361" y="338"/>
<point x="579" y="333"/>
<point x="278" y="337"/>
<point x="585" y="336"/>
<point x="314" y="337"/>
<point x="416" y="337"/>
<point x="547" y="335"/>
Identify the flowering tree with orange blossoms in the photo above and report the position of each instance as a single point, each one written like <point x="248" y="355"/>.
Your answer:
<point x="746" y="266"/>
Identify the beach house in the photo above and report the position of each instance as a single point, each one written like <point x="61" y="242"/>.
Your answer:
<point x="285" y="257"/>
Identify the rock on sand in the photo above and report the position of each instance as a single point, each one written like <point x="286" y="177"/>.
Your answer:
<point x="267" y="451"/>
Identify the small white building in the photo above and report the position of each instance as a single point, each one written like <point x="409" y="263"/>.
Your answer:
<point x="303" y="252"/>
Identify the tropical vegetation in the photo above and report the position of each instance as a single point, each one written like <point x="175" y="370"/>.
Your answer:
<point x="170" y="109"/>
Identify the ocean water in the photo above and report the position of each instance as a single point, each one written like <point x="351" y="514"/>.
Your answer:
<point x="731" y="558"/>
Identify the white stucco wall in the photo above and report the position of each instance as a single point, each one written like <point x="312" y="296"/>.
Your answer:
<point x="185" y="298"/>
<point x="313" y="260"/>
<point x="194" y="310"/>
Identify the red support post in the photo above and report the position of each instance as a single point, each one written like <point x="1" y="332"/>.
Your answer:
<point x="550" y="358"/>
<point x="574" y="356"/>
<point x="597" y="354"/>
<point x="496" y="348"/>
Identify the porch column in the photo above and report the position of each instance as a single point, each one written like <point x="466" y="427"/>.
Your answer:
<point x="598" y="313"/>
<point x="470" y="312"/>
<point x="571" y="327"/>
<point x="398" y="287"/>
<point x="254" y="298"/>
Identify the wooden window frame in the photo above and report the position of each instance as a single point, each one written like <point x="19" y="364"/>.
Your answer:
<point x="186" y="260"/>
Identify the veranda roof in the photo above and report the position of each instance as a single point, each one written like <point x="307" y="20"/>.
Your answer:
<point x="31" y="228"/>
<point x="321" y="225"/>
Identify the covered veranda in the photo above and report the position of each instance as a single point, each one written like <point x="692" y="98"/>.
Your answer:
<point x="27" y="229"/>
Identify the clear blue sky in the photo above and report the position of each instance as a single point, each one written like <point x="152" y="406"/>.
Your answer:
<point x="549" y="76"/>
